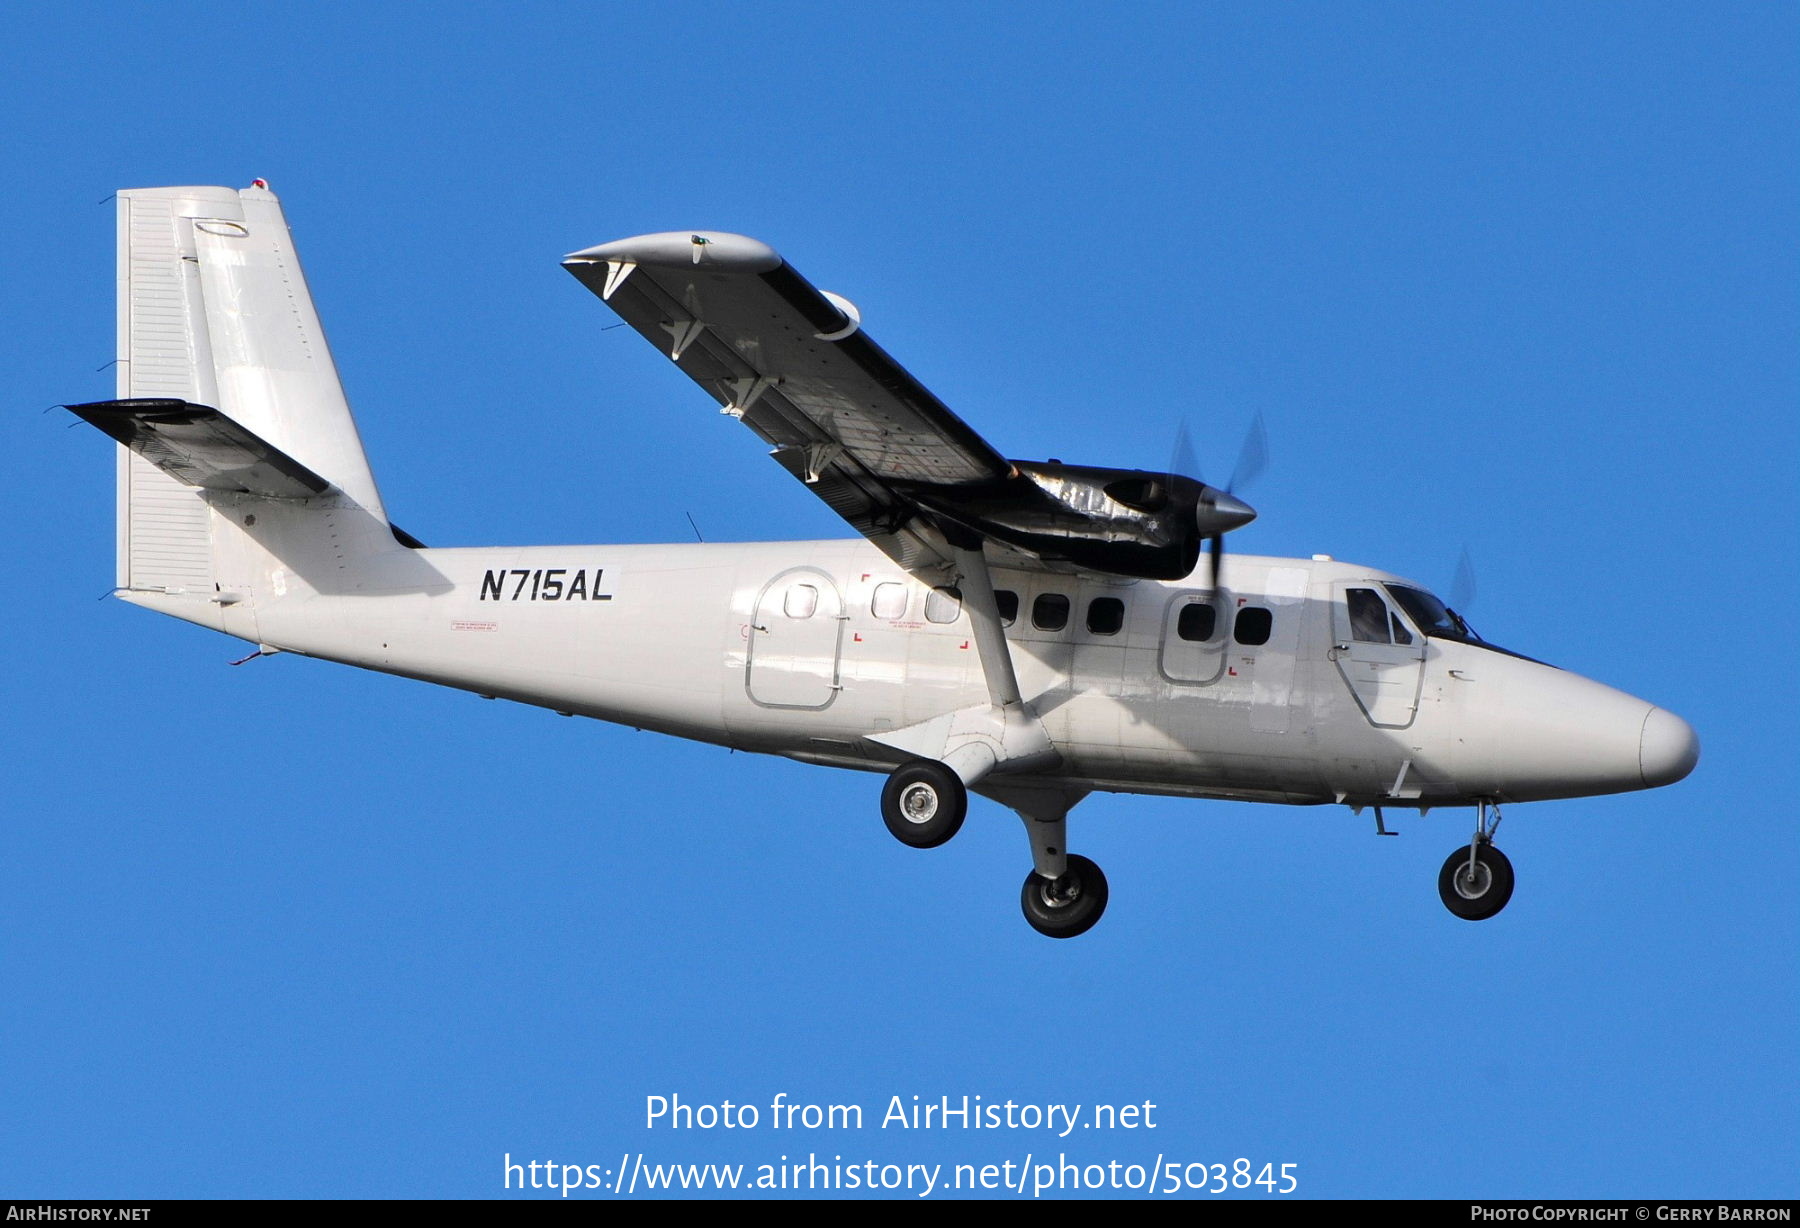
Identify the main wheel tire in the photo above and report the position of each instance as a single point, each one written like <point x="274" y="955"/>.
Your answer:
<point x="924" y="803"/>
<point x="1065" y="907"/>
<point x="1477" y="895"/>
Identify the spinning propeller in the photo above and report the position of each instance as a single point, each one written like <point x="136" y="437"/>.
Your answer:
<point x="1462" y="593"/>
<point x="1219" y="511"/>
<point x="1462" y="587"/>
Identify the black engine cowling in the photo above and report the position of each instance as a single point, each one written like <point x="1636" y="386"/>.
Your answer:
<point x="1124" y="522"/>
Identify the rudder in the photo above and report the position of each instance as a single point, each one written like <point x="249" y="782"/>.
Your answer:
<point x="214" y="311"/>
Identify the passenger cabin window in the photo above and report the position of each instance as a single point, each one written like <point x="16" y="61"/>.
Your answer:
<point x="1368" y="616"/>
<point x="889" y="601"/>
<point x="1197" y="622"/>
<point x="1105" y="615"/>
<point x="1008" y="602"/>
<point x="801" y="601"/>
<point x="1253" y="625"/>
<point x="1050" y="612"/>
<point x="943" y="605"/>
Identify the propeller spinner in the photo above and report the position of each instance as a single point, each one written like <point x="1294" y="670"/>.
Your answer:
<point x="1220" y="511"/>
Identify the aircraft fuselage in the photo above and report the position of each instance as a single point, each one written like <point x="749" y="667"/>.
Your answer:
<point x="817" y="650"/>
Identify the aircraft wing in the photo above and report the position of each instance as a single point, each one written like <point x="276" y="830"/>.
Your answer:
<point x="793" y="363"/>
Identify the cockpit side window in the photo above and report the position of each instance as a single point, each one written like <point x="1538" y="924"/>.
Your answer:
<point x="1431" y="615"/>
<point x="1401" y="634"/>
<point x="1368" y="616"/>
<point x="1437" y="621"/>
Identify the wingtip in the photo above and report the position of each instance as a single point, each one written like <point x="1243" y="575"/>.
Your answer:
<point x="707" y="249"/>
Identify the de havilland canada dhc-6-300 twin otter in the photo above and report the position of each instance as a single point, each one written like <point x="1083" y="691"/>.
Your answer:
<point x="1028" y="631"/>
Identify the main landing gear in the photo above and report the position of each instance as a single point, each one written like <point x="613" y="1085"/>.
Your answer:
<point x="1068" y="905"/>
<point x="924" y="803"/>
<point x="1477" y="881"/>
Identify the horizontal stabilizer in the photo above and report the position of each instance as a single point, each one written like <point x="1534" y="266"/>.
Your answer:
<point x="200" y="446"/>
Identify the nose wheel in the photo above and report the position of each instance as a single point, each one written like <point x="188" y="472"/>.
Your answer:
<point x="1477" y="881"/>
<point x="1475" y="888"/>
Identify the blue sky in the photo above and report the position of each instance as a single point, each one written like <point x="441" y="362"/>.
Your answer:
<point x="1520" y="278"/>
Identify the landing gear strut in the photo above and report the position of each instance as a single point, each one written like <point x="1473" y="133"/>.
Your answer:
<point x="1065" y="893"/>
<point x="924" y="804"/>
<point x="1477" y="881"/>
<point x="993" y="748"/>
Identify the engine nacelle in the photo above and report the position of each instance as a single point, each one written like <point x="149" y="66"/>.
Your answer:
<point x="1124" y="522"/>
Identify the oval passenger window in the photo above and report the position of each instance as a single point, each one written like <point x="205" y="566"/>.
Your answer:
<point x="1105" y="615"/>
<point x="944" y="605"/>
<point x="889" y="601"/>
<point x="1050" y="612"/>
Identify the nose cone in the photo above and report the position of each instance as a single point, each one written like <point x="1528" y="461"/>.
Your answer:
<point x="1668" y="748"/>
<point x="1528" y="732"/>
<point x="1224" y="513"/>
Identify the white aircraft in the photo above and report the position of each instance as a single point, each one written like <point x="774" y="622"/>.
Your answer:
<point x="1030" y="631"/>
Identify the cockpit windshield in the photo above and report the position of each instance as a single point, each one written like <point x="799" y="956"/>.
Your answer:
<point x="1440" y="622"/>
<point x="1432" y="616"/>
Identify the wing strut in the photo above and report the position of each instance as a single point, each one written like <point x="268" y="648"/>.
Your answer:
<point x="1003" y="735"/>
<point x="990" y="639"/>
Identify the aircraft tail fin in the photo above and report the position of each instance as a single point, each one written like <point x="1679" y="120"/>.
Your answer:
<point x="215" y="317"/>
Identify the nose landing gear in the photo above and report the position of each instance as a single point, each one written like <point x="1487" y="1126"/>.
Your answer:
<point x="1477" y="881"/>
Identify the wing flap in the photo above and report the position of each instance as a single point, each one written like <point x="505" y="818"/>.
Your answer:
<point x="911" y="542"/>
<point x="200" y="446"/>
